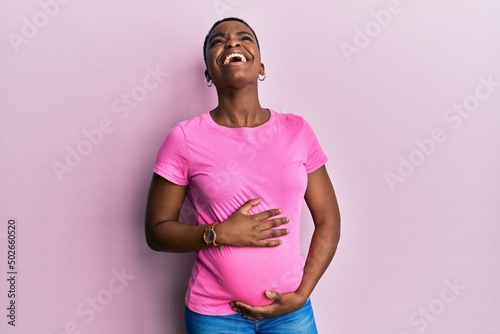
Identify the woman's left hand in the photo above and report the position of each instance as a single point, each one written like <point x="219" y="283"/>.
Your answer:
<point x="282" y="304"/>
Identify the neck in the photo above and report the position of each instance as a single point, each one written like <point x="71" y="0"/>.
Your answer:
<point x="239" y="108"/>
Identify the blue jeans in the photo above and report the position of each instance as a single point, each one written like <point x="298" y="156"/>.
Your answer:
<point x="298" y="322"/>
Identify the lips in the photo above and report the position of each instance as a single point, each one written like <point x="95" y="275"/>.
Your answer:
<point x="235" y="57"/>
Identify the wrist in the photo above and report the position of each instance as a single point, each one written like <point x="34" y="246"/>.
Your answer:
<point x="211" y="236"/>
<point x="304" y="295"/>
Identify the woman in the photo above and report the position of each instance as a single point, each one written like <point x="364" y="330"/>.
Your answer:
<point x="246" y="170"/>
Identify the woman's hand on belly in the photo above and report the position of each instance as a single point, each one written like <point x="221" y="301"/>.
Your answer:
<point x="242" y="229"/>
<point x="281" y="304"/>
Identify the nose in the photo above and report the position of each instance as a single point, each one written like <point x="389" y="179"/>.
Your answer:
<point x="232" y="42"/>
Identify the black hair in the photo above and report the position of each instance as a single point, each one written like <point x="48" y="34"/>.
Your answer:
<point x="219" y="22"/>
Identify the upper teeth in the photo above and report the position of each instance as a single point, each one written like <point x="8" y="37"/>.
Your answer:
<point x="232" y="55"/>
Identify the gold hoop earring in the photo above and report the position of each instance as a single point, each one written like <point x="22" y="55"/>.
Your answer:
<point x="262" y="76"/>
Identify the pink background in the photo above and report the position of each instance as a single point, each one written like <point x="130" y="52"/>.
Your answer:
<point x="382" y="84"/>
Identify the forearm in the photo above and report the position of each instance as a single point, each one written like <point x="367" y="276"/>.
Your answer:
<point x="176" y="237"/>
<point x="322" y="202"/>
<point x="321" y="251"/>
<point x="165" y="233"/>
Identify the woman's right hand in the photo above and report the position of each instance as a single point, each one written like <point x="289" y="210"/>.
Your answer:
<point x="257" y="230"/>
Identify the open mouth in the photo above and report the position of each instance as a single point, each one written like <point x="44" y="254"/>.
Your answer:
<point x="234" y="58"/>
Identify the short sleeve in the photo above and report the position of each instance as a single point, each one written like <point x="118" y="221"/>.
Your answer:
<point x="316" y="157"/>
<point x="171" y="161"/>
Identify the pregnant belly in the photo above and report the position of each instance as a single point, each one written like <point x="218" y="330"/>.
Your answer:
<point x="244" y="274"/>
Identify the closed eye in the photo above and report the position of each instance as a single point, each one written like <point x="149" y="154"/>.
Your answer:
<point x="216" y="41"/>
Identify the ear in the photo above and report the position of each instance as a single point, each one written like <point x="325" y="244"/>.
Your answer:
<point x="262" y="69"/>
<point x="207" y="76"/>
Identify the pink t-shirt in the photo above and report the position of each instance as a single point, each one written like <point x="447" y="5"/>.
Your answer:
<point x="224" y="168"/>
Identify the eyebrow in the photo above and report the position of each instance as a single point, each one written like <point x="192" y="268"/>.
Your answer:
<point x="244" y="33"/>
<point x="239" y="33"/>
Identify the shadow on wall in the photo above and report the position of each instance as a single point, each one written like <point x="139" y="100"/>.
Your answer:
<point x="165" y="274"/>
<point x="178" y="271"/>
